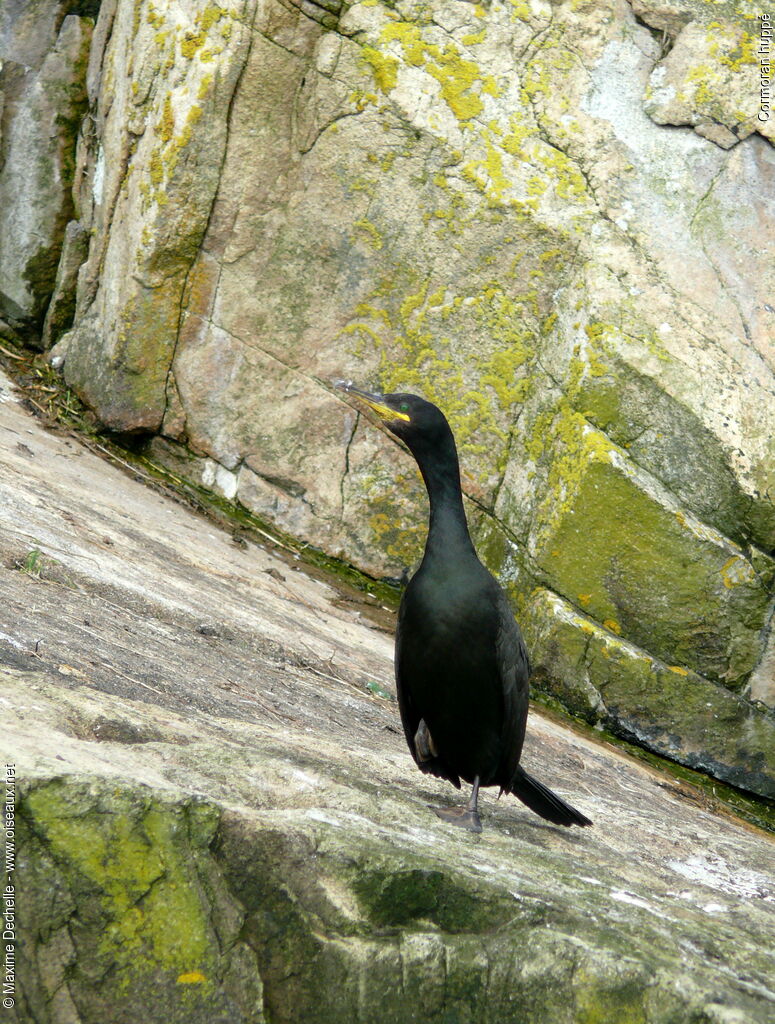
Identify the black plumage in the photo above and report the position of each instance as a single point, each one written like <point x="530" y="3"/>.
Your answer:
<point x="461" y="665"/>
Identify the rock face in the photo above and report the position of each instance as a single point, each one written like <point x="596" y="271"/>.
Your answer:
<point x="550" y="219"/>
<point x="44" y="51"/>
<point x="216" y="820"/>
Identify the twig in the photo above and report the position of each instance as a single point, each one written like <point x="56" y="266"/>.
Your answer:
<point x="112" y="455"/>
<point x="12" y="355"/>
<point x="37" y="406"/>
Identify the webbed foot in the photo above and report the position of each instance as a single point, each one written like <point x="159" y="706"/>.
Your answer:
<point x="465" y="817"/>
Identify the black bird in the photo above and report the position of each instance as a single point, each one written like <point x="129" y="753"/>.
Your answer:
<point x="461" y="665"/>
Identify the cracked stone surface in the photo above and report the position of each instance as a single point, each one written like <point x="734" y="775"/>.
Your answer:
<point x="43" y="57"/>
<point x="552" y="219"/>
<point x="710" y="75"/>
<point x="218" y="822"/>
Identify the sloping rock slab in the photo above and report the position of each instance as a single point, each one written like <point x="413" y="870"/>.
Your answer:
<point x="218" y="821"/>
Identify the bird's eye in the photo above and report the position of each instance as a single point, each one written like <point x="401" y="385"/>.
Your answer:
<point x="404" y="407"/>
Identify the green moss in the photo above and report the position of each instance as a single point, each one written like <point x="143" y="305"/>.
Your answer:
<point x="131" y="857"/>
<point x="520" y="10"/>
<point x="569" y="182"/>
<point x="144" y="343"/>
<point x="184" y="138"/>
<point x="536" y="186"/>
<point x="164" y="158"/>
<point x="367" y="229"/>
<point x="621" y="1004"/>
<point x="412" y="326"/>
<point x="737" y="571"/>
<point x="627" y="405"/>
<point x="205" y="86"/>
<point x="399" y="539"/>
<point x="511" y="152"/>
<point x="126" y="874"/>
<point x="416" y="355"/>
<point x="703" y="79"/>
<point x="410" y="37"/>
<point x="392" y="898"/>
<point x="517" y="135"/>
<point x="667" y="708"/>
<point x="670" y="584"/>
<point x="535" y="80"/>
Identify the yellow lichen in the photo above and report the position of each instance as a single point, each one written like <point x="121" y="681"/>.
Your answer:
<point x="204" y="86"/>
<point x="191" y="978"/>
<point x="370" y="231"/>
<point x="457" y="76"/>
<point x="520" y="10"/>
<point x="156" y="168"/>
<point x="384" y="68"/>
<point x="737" y="571"/>
<point x="166" y="125"/>
<point x="731" y="48"/>
<point x="474" y="38"/>
<point x="190" y="43"/>
<point x="154" y="18"/>
<point x="209" y="16"/>
<point x="488" y="174"/>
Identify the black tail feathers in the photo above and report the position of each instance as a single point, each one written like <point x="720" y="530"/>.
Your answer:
<point x="543" y="801"/>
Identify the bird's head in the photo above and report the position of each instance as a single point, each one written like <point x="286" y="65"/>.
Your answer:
<point x="418" y="423"/>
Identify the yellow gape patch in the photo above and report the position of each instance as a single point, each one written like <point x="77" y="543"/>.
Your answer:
<point x="386" y="412"/>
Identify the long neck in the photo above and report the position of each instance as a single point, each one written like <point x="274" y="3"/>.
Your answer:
<point x="448" y="535"/>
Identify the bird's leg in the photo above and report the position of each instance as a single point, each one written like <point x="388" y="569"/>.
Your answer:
<point x="466" y="817"/>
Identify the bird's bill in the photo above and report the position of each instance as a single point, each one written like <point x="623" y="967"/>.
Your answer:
<point x="375" y="402"/>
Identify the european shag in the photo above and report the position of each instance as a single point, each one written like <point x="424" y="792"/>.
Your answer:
<point x="461" y="664"/>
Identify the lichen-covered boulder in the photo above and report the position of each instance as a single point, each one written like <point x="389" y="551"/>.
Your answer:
<point x="711" y="74"/>
<point x="179" y="910"/>
<point x="161" y="84"/>
<point x="156" y="923"/>
<point x="548" y="218"/>
<point x="667" y="708"/>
